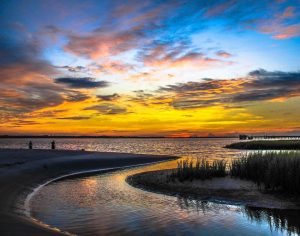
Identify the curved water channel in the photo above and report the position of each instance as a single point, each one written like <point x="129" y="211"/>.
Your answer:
<point x="104" y="204"/>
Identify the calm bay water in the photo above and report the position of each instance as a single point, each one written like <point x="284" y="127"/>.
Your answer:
<point x="177" y="147"/>
<point x="105" y="204"/>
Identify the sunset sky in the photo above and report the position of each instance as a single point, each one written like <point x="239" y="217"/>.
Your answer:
<point x="149" y="68"/>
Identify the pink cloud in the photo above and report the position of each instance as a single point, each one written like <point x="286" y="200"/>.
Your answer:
<point x="102" y="44"/>
<point x="219" y="9"/>
<point x="178" y="55"/>
<point x="224" y="54"/>
<point x="282" y="25"/>
<point x="289" y="12"/>
<point x="288" y="32"/>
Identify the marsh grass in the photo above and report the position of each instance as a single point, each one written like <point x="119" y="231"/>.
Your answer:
<point x="200" y="168"/>
<point x="275" y="171"/>
<point x="266" y="145"/>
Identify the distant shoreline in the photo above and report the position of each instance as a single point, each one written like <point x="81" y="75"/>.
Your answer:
<point x="260" y="138"/>
<point x="140" y="137"/>
<point x="266" y="145"/>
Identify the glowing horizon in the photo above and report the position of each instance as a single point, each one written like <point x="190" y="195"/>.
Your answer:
<point x="151" y="68"/>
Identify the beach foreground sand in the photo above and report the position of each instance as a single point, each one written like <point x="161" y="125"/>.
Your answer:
<point x="21" y="171"/>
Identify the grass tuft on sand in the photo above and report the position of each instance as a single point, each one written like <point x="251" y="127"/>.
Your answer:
<point x="190" y="169"/>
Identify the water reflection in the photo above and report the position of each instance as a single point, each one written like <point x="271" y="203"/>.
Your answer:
<point x="210" y="148"/>
<point x="107" y="205"/>
<point x="279" y="220"/>
<point x="283" y="221"/>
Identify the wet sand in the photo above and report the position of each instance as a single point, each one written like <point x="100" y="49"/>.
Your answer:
<point x="21" y="171"/>
<point x="223" y="189"/>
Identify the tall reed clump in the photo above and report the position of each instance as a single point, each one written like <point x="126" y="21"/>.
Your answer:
<point x="275" y="171"/>
<point x="190" y="169"/>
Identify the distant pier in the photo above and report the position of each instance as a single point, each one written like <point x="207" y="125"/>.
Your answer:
<point x="250" y="137"/>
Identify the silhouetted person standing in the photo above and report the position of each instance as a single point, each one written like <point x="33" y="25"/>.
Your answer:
<point x="30" y="145"/>
<point x="53" y="145"/>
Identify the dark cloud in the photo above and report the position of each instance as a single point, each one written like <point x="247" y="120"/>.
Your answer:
<point x="82" y="69"/>
<point x="74" y="118"/>
<point x="260" y="95"/>
<point x="20" y="123"/>
<point x="75" y="96"/>
<point x="35" y="96"/>
<point x="22" y="52"/>
<point x="107" y="109"/>
<point x="259" y="85"/>
<point x="263" y="78"/>
<point x="192" y="86"/>
<point x="266" y="85"/>
<point x="21" y="56"/>
<point x="25" y="82"/>
<point x="142" y="97"/>
<point x="182" y="104"/>
<point x="21" y="48"/>
<point x="81" y="83"/>
<point x="31" y="97"/>
<point x="111" y="97"/>
<point x="43" y="114"/>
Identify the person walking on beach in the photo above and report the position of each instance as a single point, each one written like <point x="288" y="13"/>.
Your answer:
<point x="53" y="145"/>
<point x="30" y="145"/>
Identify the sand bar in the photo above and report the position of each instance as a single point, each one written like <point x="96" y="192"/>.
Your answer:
<point x="21" y="171"/>
<point x="223" y="189"/>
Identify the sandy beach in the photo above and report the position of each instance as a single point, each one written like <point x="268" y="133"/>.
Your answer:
<point x="21" y="171"/>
